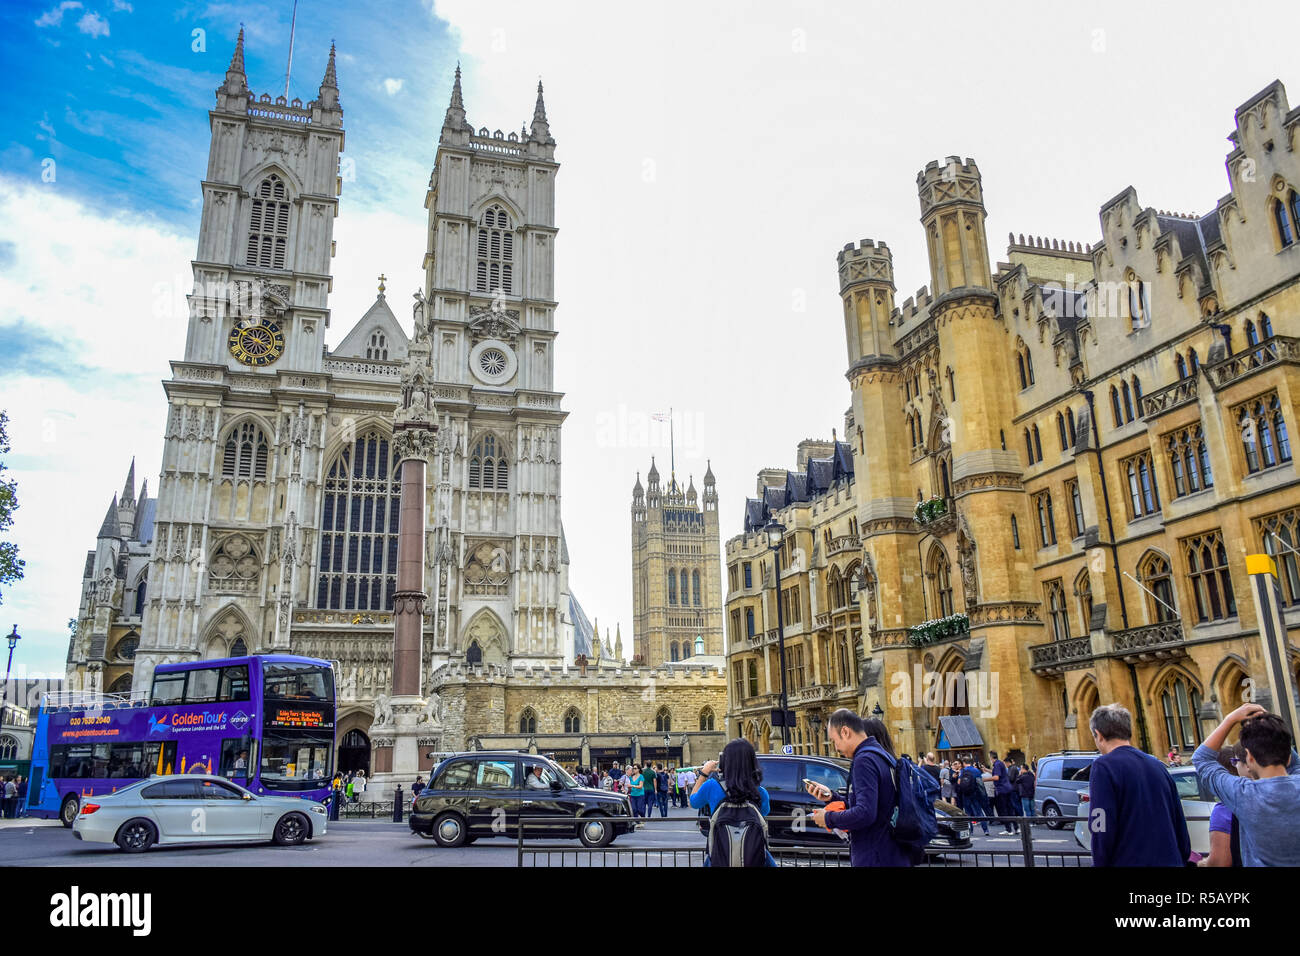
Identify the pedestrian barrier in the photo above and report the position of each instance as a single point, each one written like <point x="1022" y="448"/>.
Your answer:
<point x="534" y="851"/>
<point x="366" y="809"/>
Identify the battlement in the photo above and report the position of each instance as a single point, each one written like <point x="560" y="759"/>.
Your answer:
<point x="1040" y="245"/>
<point x="912" y="307"/>
<point x="950" y="170"/>
<point x="607" y="674"/>
<point x="865" y="262"/>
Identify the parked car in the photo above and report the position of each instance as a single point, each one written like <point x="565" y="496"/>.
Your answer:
<point x="195" y="808"/>
<point x="483" y="794"/>
<point x="783" y="779"/>
<point x="1196" y="803"/>
<point x="1060" y="778"/>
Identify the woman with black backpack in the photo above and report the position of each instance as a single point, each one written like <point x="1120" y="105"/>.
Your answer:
<point x="737" y="806"/>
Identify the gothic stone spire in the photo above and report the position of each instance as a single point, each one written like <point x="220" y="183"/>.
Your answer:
<point x="541" y="131"/>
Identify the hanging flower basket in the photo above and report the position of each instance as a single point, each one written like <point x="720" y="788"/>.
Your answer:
<point x="940" y="629"/>
<point x="927" y="511"/>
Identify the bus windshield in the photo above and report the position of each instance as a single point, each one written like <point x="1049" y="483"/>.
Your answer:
<point x="292" y="761"/>
<point x="285" y="680"/>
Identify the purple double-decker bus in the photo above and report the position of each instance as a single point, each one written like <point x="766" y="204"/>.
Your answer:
<point x="266" y="722"/>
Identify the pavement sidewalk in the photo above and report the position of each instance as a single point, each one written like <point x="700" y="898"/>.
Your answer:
<point x="27" y="822"/>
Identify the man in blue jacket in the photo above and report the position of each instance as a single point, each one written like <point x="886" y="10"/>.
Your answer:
<point x="871" y="798"/>
<point x="1135" y="815"/>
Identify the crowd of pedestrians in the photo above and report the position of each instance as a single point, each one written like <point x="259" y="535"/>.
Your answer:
<point x="13" y="796"/>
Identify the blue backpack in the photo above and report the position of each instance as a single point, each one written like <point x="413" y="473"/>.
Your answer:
<point x="913" y="824"/>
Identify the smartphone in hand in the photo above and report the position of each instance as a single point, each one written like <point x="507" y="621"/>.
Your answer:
<point x="818" y="790"/>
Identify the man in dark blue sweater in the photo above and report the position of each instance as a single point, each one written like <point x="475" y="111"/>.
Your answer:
<point x="1135" y="815"/>
<point x="871" y="796"/>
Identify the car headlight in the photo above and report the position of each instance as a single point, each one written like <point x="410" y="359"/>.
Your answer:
<point x="317" y="809"/>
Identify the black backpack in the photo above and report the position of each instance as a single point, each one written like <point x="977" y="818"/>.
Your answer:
<point x="966" y="784"/>
<point x="737" y="835"/>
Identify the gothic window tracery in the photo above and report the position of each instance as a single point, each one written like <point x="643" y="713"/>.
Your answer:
<point x="245" y="453"/>
<point x="488" y="468"/>
<point x="495" y="246"/>
<point x="358" y="546"/>
<point x="268" y="224"/>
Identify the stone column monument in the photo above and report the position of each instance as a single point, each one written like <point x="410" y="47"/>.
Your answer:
<point x="405" y="716"/>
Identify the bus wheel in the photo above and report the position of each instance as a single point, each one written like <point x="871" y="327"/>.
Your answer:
<point x="136" y="836"/>
<point x="291" y="830"/>
<point x="69" y="810"/>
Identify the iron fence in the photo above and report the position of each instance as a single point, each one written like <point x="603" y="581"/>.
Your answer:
<point x="537" y="851"/>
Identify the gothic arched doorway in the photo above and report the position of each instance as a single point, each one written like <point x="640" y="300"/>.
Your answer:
<point x="354" y="752"/>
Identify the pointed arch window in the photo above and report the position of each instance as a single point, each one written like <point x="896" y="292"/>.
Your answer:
<point x="1069" y="424"/>
<point x="685" y="589"/>
<point x="1180" y="702"/>
<point x="940" y="573"/>
<point x="268" y="224"/>
<point x="1114" y="407"/>
<point x="1281" y="535"/>
<point x="1060" y="431"/>
<point x="239" y="648"/>
<point x="1265" y="326"/>
<point x="1038" y="445"/>
<point x="488" y="470"/>
<point x="473" y="653"/>
<point x="528" y="721"/>
<point x="663" y="720"/>
<point x="672" y="586"/>
<point x="1083" y="591"/>
<point x="572" y="721"/>
<point x="1264" y="436"/>
<point x="673" y="651"/>
<point x="707" y="719"/>
<point x="246" y="452"/>
<point x="1193" y="361"/>
<point x="1181" y="366"/>
<point x="496" y="253"/>
<point x="1128" y="401"/>
<point x="1046" y="519"/>
<point x="1155" y="574"/>
<point x="358" y="537"/>
<point x="1284" y="232"/>
<point x="120" y="686"/>
<point x="141" y="589"/>
<point x="1060" y="616"/>
<point x="1211" y="581"/>
<point x="1029" y="447"/>
<point x="695" y="588"/>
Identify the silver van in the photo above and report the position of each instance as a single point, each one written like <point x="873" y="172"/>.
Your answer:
<point x="1060" y="778"/>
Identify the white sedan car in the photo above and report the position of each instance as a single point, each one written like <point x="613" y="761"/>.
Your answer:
<point x="1196" y="809"/>
<point x="195" y="808"/>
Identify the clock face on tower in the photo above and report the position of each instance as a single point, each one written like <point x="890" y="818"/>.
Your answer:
<point x="257" y="343"/>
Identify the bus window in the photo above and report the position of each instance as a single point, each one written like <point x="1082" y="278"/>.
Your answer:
<point x="234" y="683"/>
<point x="202" y="688"/>
<point x="296" y="763"/>
<point x="126" y="760"/>
<point x="167" y="689"/>
<point x="99" y="761"/>
<point x="159" y="757"/>
<point x="288" y="681"/>
<point x="235" y="758"/>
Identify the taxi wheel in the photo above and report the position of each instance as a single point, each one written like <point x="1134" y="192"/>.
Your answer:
<point x="291" y="830"/>
<point x="595" y="832"/>
<point x="135" y="836"/>
<point x="69" y="810"/>
<point x="449" y="830"/>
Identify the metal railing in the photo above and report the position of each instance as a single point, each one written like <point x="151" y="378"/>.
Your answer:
<point x="90" y="700"/>
<point x="532" y="850"/>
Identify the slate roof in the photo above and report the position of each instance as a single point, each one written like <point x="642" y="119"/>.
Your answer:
<point x="961" y="732"/>
<point x="819" y="476"/>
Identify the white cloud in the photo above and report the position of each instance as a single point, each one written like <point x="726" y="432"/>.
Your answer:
<point x="97" y="286"/>
<point x="392" y="86"/>
<point x="122" y="6"/>
<point x="54" y="16"/>
<point x="93" y="25"/>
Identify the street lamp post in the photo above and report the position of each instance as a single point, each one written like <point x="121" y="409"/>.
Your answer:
<point x="13" y="639"/>
<point x="775" y="536"/>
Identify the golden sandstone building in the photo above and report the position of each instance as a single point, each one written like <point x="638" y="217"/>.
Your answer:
<point x="1058" y="467"/>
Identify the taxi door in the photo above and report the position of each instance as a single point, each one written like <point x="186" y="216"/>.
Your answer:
<point x="494" y="802"/>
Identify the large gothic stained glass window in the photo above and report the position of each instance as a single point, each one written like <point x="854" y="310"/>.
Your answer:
<point x="358" y="540"/>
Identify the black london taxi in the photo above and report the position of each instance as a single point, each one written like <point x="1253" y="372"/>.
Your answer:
<point x="484" y="794"/>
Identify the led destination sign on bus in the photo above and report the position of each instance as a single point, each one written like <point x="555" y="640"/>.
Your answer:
<point x="298" y="717"/>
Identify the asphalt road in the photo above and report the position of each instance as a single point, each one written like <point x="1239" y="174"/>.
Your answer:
<point x="378" y="843"/>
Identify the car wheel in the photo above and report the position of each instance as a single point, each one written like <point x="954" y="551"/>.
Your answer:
<point x="1053" y="814"/>
<point x="595" y="832"/>
<point x="136" y="836"/>
<point x="69" y="810"/>
<point x="449" y="830"/>
<point x="291" y="830"/>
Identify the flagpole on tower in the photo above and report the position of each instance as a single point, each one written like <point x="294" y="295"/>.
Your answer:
<point x="293" y="23"/>
<point x="672" y="446"/>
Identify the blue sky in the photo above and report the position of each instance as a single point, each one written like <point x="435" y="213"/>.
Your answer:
<point x="715" y="157"/>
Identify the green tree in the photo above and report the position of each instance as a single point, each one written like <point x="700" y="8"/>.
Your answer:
<point x="11" y="566"/>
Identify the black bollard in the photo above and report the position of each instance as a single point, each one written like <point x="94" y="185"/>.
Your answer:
<point x="397" y="805"/>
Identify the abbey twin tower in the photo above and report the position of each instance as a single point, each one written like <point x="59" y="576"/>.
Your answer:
<point x="274" y="526"/>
